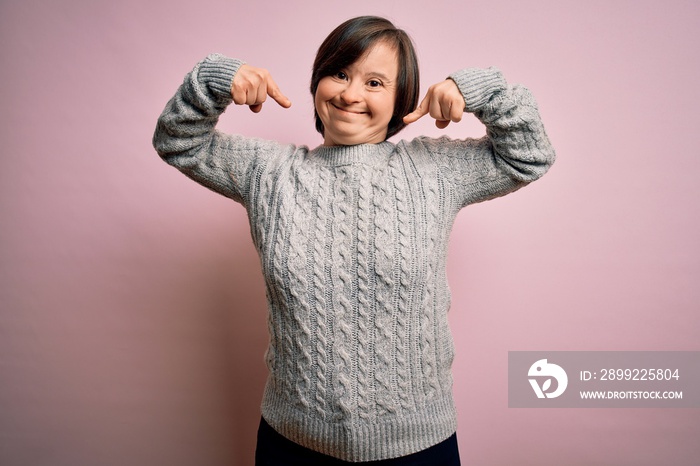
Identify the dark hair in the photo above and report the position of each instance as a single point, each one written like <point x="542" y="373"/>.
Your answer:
<point x="349" y="41"/>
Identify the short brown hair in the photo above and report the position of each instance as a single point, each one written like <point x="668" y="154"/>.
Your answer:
<point x="349" y="41"/>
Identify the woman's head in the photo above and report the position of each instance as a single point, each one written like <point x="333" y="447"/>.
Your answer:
<point x="359" y="55"/>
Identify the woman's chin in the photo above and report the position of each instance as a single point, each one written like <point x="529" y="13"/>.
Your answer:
<point x="352" y="139"/>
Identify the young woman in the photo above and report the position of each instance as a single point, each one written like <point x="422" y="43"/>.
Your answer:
<point x="353" y="236"/>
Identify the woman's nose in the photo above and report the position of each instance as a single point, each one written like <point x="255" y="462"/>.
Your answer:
<point x="352" y="93"/>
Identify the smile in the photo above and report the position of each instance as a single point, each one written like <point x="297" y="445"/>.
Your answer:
<point x="348" y="111"/>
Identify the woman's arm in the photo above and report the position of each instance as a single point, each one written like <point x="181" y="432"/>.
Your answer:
<point x="186" y="137"/>
<point x="515" y="150"/>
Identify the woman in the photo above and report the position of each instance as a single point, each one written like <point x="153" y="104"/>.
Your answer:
<point x="353" y="236"/>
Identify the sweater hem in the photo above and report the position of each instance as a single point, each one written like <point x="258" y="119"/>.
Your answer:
<point x="362" y="439"/>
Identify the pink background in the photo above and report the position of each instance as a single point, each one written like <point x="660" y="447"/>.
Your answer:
<point x="132" y="319"/>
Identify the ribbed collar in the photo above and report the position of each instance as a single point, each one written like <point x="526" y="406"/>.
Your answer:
<point x="369" y="154"/>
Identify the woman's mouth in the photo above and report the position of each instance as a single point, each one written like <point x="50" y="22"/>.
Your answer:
<point x="350" y="111"/>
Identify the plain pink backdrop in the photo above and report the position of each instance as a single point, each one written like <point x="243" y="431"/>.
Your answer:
<point x="132" y="319"/>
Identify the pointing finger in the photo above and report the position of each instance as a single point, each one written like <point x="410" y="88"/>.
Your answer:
<point x="274" y="91"/>
<point x="418" y="113"/>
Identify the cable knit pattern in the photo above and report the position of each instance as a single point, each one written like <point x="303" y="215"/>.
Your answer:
<point x="365" y="307"/>
<point x="404" y="291"/>
<point x="299" y="290"/>
<point x="342" y="238"/>
<point x="320" y="261"/>
<point x="353" y="244"/>
<point x="384" y="272"/>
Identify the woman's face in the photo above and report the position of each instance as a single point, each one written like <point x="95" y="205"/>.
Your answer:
<point x="357" y="103"/>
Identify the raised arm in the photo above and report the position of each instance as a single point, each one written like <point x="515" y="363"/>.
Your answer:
<point x="185" y="134"/>
<point x="515" y="150"/>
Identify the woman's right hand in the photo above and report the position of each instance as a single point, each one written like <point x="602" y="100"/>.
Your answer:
<point x="251" y="86"/>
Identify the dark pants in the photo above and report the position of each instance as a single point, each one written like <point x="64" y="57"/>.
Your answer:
<point x="275" y="450"/>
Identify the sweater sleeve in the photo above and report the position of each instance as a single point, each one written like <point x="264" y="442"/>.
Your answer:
<point x="515" y="150"/>
<point x="186" y="138"/>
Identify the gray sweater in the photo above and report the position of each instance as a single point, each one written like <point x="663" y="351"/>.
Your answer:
<point x="353" y="243"/>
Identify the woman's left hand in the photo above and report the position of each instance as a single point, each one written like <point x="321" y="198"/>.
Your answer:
<point x="444" y="102"/>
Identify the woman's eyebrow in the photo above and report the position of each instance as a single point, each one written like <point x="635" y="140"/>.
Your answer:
<point x="380" y="75"/>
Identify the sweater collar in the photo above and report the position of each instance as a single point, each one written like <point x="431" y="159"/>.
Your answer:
<point x="369" y="154"/>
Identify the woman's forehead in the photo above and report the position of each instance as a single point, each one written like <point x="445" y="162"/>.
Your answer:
<point x="380" y="57"/>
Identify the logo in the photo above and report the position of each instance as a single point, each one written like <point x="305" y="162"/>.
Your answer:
<point x="544" y="369"/>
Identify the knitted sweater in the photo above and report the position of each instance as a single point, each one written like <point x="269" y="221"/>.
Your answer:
<point x="353" y="243"/>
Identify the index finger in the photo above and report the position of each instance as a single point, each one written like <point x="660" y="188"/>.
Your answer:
<point x="418" y="113"/>
<point x="274" y="91"/>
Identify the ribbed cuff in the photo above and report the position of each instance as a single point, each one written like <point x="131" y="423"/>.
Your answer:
<point x="478" y="86"/>
<point x="218" y="71"/>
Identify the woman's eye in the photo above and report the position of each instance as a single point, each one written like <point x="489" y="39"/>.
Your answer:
<point x="374" y="83"/>
<point x="341" y="75"/>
